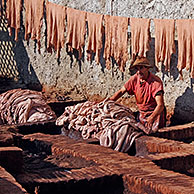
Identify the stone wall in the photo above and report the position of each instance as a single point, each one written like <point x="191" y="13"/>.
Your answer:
<point x="21" y="62"/>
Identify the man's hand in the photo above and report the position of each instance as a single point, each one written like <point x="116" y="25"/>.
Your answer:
<point x="150" y="121"/>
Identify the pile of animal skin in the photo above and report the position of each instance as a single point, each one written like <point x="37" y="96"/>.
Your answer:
<point x="112" y="123"/>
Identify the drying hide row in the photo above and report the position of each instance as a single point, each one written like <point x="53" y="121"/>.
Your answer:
<point x="113" y="124"/>
<point x="116" y="33"/>
<point x="19" y="106"/>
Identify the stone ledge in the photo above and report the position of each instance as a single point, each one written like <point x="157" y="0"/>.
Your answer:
<point x="176" y="161"/>
<point x="6" y="140"/>
<point x="157" y="181"/>
<point x="178" y="132"/>
<point x="11" y="158"/>
<point x="139" y="175"/>
<point x="8" y="184"/>
<point x="149" y="145"/>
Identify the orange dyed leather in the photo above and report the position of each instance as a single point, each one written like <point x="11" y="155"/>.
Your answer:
<point x="116" y="40"/>
<point x="164" y="41"/>
<point x="13" y="10"/>
<point x="55" y="18"/>
<point x="94" y="35"/>
<point x="76" y="30"/>
<point x="185" y="32"/>
<point x="33" y="19"/>
<point x="140" y="36"/>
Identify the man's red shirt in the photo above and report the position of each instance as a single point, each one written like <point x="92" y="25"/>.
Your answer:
<point x="144" y="92"/>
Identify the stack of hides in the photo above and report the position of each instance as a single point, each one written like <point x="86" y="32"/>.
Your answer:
<point x="113" y="124"/>
<point x="24" y="106"/>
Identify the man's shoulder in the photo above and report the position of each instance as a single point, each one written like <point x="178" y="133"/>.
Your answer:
<point x="131" y="81"/>
<point x="133" y="77"/>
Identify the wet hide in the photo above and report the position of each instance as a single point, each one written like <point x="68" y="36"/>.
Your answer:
<point x="94" y="35"/>
<point x="185" y="45"/>
<point x="24" y="106"/>
<point x="140" y="36"/>
<point x="158" y="123"/>
<point x="55" y="18"/>
<point x="33" y="19"/>
<point x="76" y="30"/>
<point x="164" y="41"/>
<point x="113" y="124"/>
<point x="13" y="11"/>
<point x="116" y="40"/>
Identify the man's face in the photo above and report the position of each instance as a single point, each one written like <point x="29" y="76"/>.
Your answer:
<point x="142" y="71"/>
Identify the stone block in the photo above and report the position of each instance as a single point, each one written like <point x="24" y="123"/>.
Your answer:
<point x="11" y="158"/>
<point x="8" y="184"/>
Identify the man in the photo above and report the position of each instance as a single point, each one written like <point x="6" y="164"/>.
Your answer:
<point x="148" y="91"/>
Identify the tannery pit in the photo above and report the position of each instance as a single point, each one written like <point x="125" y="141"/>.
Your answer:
<point x="65" y="163"/>
<point x="96" y="97"/>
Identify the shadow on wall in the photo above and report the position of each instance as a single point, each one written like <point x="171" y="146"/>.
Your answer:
<point x="89" y="56"/>
<point x="85" y="55"/>
<point x="173" y="63"/>
<point x="184" y="108"/>
<point x="15" y="70"/>
<point x="184" y="105"/>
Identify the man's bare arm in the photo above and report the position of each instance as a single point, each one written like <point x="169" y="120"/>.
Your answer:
<point x="118" y="94"/>
<point x="159" y="108"/>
